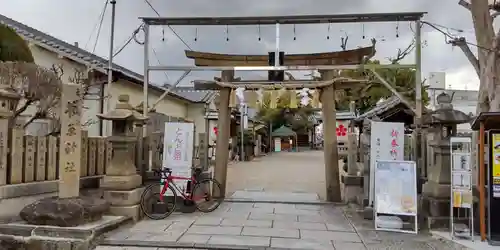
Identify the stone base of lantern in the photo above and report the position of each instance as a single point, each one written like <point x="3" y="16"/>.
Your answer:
<point x="124" y="195"/>
<point x="123" y="182"/>
<point x="353" y="187"/>
<point x="436" y="206"/>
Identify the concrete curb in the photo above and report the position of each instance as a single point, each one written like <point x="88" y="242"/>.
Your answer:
<point x="172" y="244"/>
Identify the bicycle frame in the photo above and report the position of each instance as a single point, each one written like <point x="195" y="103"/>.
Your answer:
<point x="170" y="181"/>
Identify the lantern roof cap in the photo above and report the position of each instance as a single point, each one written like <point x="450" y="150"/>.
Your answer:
<point x="123" y="111"/>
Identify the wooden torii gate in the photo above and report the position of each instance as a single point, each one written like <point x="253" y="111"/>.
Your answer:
<point x="329" y="82"/>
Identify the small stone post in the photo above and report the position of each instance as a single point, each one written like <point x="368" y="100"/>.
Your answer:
<point x="365" y="158"/>
<point x="352" y="182"/>
<point x="70" y="145"/>
<point x="121" y="183"/>
<point x="8" y="103"/>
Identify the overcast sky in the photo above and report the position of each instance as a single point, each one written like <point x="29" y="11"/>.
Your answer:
<point x="74" y="21"/>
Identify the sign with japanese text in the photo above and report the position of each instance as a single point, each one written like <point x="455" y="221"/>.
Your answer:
<point x="178" y="149"/>
<point x="178" y="146"/>
<point x="386" y="144"/>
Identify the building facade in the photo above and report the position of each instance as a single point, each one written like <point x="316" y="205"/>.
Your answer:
<point x="49" y="51"/>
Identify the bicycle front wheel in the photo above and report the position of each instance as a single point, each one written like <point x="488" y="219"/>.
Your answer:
<point x="207" y="195"/>
<point x="151" y="204"/>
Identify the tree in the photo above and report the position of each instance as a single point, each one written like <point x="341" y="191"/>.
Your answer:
<point x="486" y="63"/>
<point x="40" y="88"/>
<point x="13" y="47"/>
<point x="295" y="118"/>
<point x="367" y="97"/>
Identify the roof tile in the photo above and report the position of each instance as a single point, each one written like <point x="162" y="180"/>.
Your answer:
<point x="59" y="46"/>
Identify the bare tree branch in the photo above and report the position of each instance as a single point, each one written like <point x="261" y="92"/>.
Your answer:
<point x="462" y="44"/>
<point x="403" y="53"/>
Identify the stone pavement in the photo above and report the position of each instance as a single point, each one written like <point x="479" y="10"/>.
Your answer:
<point x="280" y="172"/>
<point x="267" y="225"/>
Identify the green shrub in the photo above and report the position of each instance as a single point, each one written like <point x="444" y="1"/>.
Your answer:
<point x="13" y="47"/>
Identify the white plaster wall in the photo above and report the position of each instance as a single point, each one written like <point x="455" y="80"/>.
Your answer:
<point x="47" y="59"/>
<point x="169" y="105"/>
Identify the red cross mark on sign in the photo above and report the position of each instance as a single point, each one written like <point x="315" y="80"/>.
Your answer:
<point x="341" y="130"/>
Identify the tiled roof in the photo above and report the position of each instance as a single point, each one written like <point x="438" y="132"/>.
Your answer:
<point x="382" y="107"/>
<point x="84" y="57"/>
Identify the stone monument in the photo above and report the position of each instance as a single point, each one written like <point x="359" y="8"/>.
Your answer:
<point x="443" y="125"/>
<point x="122" y="184"/>
<point x="9" y="99"/>
<point x="67" y="209"/>
<point x="365" y="141"/>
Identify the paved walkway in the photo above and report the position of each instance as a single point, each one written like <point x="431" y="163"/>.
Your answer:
<point x="280" y="172"/>
<point x="264" y="225"/>
<point x="296" y="178"/>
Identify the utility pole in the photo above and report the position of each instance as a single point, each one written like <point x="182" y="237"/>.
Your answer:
<point x="111" y="43"/>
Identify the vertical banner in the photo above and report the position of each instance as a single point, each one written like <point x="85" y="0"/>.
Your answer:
<point x="386" y="143"/>
<point x="178" y="149"/>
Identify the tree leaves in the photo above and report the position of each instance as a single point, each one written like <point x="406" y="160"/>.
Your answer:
<point x="13" y="47"/>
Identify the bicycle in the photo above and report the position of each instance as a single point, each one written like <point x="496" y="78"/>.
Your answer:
<point x="208" y="187"/>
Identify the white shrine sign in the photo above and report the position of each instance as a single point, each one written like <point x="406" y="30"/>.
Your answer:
<point x="178" y="146"/>
<point x="386" y="144"/>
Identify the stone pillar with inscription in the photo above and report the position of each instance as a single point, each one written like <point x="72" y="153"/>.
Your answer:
<point x="365" y="141"/>
<point x="72" y="210"/>
<point x="70" y="148"/>
<point x="8" y="103"/>
<point x="121" y="183"/>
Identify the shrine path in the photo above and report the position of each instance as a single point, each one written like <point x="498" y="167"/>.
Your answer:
<point x="297" y="172"/>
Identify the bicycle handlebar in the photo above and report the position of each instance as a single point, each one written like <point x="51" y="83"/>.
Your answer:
<point x="162" y="171"/>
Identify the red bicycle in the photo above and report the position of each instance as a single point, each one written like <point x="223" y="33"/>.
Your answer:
<point x="205" y="194"/>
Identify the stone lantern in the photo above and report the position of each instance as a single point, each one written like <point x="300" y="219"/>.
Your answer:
<point x="9" y="99"/>
<point x="442" y="124"/>
<point x="121" y="182"/>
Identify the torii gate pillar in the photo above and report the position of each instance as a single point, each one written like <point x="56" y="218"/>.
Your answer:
<point x="223" y="124"/>
<point x="332" y="178"/>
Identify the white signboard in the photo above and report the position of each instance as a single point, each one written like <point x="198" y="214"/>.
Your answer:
<point x="461" y="184"/>
<point x="387" y="143"/>
<point x="395" y="191"/>
<point x="178" y="149"/>
<point x="277" y="144"/>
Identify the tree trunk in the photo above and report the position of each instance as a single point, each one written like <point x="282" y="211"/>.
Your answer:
<point x="489" y="66"/>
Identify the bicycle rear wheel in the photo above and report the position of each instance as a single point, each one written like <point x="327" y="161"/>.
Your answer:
<point x="207" y="195"/>
<point x="153" y="207"/>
